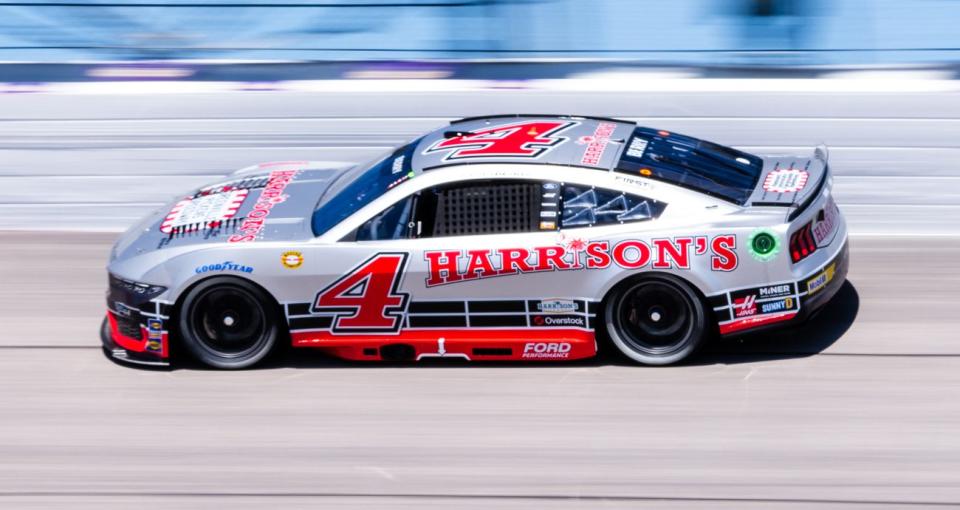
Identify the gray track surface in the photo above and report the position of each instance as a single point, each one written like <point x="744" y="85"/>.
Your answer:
<point x="99" y="161"/>
<point x="857" y="410"/>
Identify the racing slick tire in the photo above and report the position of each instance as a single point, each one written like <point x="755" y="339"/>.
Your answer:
<point x="229" y="323"/>
<point x="656" y="319"/>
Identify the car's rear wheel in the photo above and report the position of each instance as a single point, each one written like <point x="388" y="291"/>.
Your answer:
<point x="656" y="319"/>
<point x="228" y="322"/>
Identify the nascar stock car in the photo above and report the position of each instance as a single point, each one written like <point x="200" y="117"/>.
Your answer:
<point x="519" y="237"/>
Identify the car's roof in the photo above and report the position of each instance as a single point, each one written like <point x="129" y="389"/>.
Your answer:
<point x="588" y="142"/>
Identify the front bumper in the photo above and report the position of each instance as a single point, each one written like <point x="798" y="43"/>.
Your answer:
<point x="134" y="329"/>
<point x="150" y="350"/>
<point x="806" y="297"/>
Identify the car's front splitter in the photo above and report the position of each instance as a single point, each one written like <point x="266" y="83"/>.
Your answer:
<point x="152" y="350"/>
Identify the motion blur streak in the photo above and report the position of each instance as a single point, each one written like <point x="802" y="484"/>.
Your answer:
<point x="106" y="159"/>
<point x="698" y="32"/>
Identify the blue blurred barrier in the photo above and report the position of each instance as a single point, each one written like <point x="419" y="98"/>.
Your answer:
<point x="680" y="32"/>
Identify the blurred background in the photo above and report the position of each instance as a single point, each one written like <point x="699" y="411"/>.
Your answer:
<point x="109" y="109"/>
<point x="679" y="32"/>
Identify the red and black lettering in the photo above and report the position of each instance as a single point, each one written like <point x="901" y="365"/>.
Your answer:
<point x="367" y="298"/>
<point x="517" y="140"/>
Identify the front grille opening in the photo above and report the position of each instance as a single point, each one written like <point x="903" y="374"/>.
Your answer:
<point x="129" y="328"/>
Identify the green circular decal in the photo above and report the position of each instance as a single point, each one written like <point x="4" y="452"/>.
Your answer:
<point x="764" y="245"/>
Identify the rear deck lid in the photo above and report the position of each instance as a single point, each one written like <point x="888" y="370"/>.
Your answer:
<point x="790" y="180"/>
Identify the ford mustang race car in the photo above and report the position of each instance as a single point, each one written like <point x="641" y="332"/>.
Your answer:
<point x="517" y="237"/>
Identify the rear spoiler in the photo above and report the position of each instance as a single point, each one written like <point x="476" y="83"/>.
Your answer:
<point x="788" y="181"/>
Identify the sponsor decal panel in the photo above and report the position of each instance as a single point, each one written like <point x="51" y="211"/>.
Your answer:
<point x="558" y="306"/>
<point x="779" y="305"/>
<point x="764" y="300"/>
<point x="154" y="326"/>
<point x="546" y="350"/>
<point x="637" y="147"/>
<point x="788" y="180"/>
<point x="775" y="291"/>
<point x="824" y="230"/>
<point x="397" y="165"/>
<point x="291" y="259"/>
<point x="454" y="266"/>
<point x="745" y="306"/>
<point x="596" y="143"/>
<point x="541" y="321"/>
<point x="820" y="281"/>
<point x="223" y="266"/>
<point x="271" y="195"/>
<point x="154" y="335"/>
<point x="204" y="211"/>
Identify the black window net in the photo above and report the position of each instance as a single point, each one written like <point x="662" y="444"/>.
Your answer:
<point x="488" y="209"/>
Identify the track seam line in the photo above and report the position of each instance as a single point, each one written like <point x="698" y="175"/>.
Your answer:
<point x="436" y="496"/>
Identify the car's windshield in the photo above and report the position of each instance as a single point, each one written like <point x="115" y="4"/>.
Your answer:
<point x="361" y="185"/>
<point x="693" y="163"/>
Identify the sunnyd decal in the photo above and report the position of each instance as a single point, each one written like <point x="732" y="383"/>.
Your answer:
<point x="271" y="195"/>
<point x="457" y="266"/>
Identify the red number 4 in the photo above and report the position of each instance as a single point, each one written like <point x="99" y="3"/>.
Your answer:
<point x="367" y="298"/>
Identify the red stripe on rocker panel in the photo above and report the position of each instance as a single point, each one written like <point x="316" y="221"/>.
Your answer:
<point x="524" y="344"/>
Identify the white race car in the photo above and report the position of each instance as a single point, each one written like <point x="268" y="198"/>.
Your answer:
<point x="498" y="238"/>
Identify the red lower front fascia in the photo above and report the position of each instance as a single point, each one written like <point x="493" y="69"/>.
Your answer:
<point x="134" y="345"/>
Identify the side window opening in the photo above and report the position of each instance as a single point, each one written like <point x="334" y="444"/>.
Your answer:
<point x="584" y="206"/>
<point x="503" y="207"/>
<point x="391" y="224"/>
<point x="474" y="208"/>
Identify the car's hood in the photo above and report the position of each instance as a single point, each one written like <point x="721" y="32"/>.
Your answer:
<point x="271" y="202"/>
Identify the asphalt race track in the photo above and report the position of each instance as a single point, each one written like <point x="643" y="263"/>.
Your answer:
<point x="859" y="409"/>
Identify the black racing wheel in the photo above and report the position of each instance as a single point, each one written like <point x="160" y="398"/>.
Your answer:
<point x="228" y="322"/>
<point x="656" y="319"/>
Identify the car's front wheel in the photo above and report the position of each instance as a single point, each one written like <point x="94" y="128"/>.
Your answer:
<point x="228" y="322"/>
<point x="656" y="319"/>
